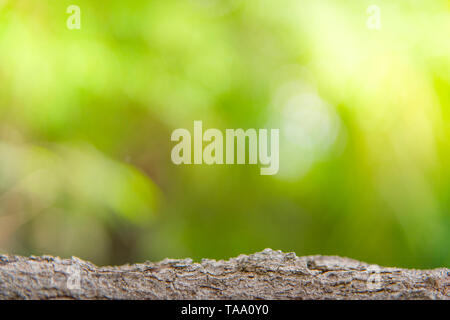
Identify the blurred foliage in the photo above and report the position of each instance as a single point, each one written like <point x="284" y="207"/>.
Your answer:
<point x="86" y="117"/>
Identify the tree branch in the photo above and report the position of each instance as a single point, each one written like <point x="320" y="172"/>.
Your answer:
<point x="266" y="275"/>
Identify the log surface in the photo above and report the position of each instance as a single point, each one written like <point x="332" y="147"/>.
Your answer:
<point x="265" y="275"/>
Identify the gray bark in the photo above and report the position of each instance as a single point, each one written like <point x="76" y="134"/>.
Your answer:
<point x="266" y="275"/>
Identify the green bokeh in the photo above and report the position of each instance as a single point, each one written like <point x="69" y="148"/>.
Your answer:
<point x="86" y="118"/>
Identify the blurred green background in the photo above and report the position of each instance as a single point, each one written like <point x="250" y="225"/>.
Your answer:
<point x="364" y="117"/>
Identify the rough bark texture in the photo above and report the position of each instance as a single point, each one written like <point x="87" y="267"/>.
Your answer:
<point x="266" y="275"/>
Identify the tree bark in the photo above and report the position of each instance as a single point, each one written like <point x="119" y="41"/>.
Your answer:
<point x="266" y="275"/>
